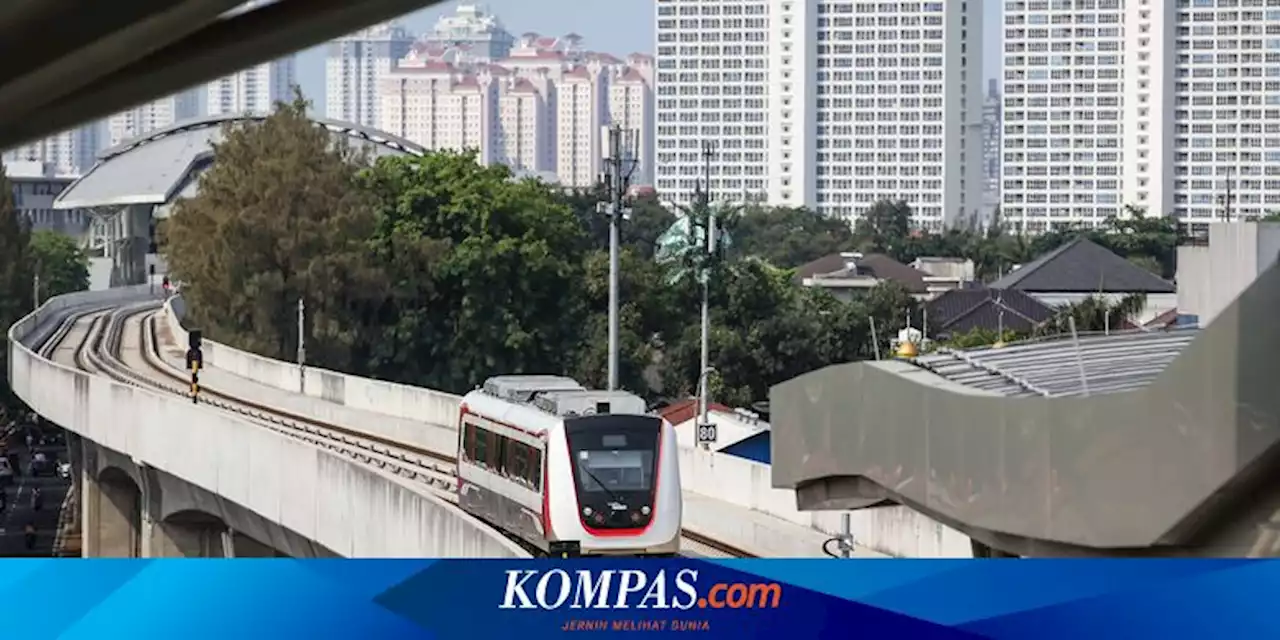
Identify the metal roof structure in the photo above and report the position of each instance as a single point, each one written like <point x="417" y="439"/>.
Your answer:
<point x="1052" y="367"/>
<point x="1173" y="451"/>
<point x="154" y="168"/>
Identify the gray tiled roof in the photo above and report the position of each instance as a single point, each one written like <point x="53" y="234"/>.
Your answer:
<point x="150" y="169"/>
<point x="1082" y="266"/>
<point x="1118" y="362"/>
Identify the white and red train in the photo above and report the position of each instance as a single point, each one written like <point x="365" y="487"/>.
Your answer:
<point x="565" y="469"/>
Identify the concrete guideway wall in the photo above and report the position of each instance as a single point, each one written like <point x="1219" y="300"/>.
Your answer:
<point x="352" y="509"/>
<point x="896" y="531"/>
<point x="435" y="412"/>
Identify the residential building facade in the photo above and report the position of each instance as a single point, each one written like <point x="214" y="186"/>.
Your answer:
<point x="1171" y="106"/>
<point x="833" y="105"/>
<point x="354" y="64"/>
<point x="253" y="91"/>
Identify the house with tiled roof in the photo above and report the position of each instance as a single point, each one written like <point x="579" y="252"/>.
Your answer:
<point x="961" y="311"/>
<point x="1081" y="269"/>
<point x="848" y="274"/>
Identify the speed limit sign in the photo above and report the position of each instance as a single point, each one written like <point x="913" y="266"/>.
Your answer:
<point x="706" y="433"/>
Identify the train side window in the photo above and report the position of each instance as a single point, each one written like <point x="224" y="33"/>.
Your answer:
<point x="517" y="462"/>
<point x="499" y="455"/>
<point x="469" y="441"/>
<point x="481" y="456"/>
<point x="535" y="469"/>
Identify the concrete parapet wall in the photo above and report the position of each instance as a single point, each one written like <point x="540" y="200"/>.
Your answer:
<point x="349" y="508"/>
<point x="436" y="411"/>
<point x="895" y="531"/>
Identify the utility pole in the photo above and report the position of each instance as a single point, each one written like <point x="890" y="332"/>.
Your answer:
<point x="302" y="333"/>
<point x="709" y="231"/>
<point x="620" y="163"/>
<point x="35" y="289"/>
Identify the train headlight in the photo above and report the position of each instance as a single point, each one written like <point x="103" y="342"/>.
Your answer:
<point x="644" y="510"/>
<point x="586" y="511"/>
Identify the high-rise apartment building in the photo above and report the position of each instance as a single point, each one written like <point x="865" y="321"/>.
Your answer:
<point x="148" y="117"/>
<point x="68" y="153"/>
<point x="712" y="87"/>
<point x="1168" y="105"/>
<point x="542" y="109"/>
<point x="354" y="65"/>
<point x="992" y="127"/>
<point x="255" y="90"/>
<point x="834" y="104"/>
<point x="481" y="35"/>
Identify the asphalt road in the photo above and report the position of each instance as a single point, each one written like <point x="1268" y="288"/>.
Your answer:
<point x="18" y="511"/>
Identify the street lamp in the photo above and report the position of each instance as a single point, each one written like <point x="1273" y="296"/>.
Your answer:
<point x="706" y="434"/>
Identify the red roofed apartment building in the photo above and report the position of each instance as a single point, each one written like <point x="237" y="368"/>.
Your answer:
<point x="538" y="104"/>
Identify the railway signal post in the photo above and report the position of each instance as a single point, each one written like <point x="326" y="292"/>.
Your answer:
<point x="195" y="361"/>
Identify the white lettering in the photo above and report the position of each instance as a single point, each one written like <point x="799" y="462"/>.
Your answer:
<point x="515" y="589"/>
<point x="633" y="581"/>
<point x="588" y="590"/>
<point x="685" y="578"/>
<point x="540" y="592"/>
<point x="657" y="591"/>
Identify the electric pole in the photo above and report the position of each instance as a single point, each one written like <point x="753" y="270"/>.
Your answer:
<point x="709" y="234"/>
<point x="302" y="333"/>
<point x="35" y="290"/>
<point x="620" y="164"/>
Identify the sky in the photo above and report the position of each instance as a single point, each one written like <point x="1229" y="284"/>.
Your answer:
<point x="613" y="26"/>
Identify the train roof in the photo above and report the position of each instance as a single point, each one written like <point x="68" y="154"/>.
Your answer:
<point x="522" y="388"/>
<point x="541" y="402"/>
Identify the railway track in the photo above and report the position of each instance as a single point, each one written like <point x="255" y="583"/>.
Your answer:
<point x="101" y="352"/>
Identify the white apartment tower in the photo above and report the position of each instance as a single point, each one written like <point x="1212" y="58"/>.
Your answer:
<point x="353" y="66"/>
<point x="68" y="153"/>
<point x="631" y="107"/>
<point x="582" y="112"/>
<point x="834" y="104"/>
<point x="712" y="84"/>
<point x="1168" y="105"/>
<point x="255" y="90"/>
<point x="151" y="116"/>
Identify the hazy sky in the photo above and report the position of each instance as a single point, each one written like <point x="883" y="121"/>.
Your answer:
<point x="613" y="26"/>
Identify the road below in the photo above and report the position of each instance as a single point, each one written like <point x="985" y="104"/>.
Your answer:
<point x="19" y="506"/>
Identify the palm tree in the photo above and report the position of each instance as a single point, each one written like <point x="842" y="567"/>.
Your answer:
<point x="1095" y="314"/>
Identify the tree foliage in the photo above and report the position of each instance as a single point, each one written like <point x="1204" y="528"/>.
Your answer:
<point x="278" y="218"/>
<point x="437" y="271"/>
<point x="485" y="272"/>
<point x="15" y="276"/>
<point x="61" y="263"/>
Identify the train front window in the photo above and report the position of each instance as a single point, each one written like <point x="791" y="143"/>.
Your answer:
<point x="615" y="470"/>
<point x="614" y="462"/>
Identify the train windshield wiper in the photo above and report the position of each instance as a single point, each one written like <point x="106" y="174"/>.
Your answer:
<point x="607" y="490"/>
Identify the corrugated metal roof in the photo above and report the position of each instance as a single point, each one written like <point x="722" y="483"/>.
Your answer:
<point x="150" y="169"/>
<point x="1119" y="362"/>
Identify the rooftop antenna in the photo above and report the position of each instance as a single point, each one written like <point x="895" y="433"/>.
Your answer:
<point x="1075" y="339"/>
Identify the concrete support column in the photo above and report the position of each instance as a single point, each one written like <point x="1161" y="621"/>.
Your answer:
<point x="179" y="539"/>
<point x="246" y="547"/>
<point x="110" y="508"/>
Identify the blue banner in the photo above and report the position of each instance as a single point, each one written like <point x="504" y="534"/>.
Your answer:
<point x="739" y="599"/>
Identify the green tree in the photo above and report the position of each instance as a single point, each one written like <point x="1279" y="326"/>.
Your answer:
<point x="884" y="228"/>
<point x="15" y="275"/>
<point x="647" y="220"/>
<point x="486" y="272"/>
<point x="61" y="263"/>
<point x="1095" y="314"/>
<point x="278" y="217"/>
<point x="789" y="237"/>
<point x="647" y="312"/>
